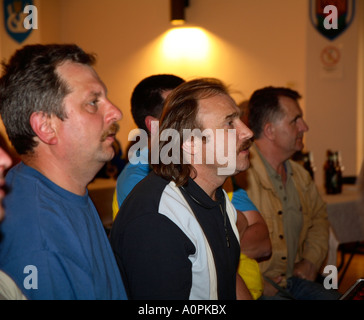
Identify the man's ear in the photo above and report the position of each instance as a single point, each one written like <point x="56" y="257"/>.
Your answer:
<point x="42" y="125"/>
<point x="148" y="123"/>
<point x="188" y="147"/>
<point x="192" y="150"/>
<point x="269" y="130"/>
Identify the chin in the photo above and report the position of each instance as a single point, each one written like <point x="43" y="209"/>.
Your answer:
<point x="299" y="145"/>
<point x="243" y="164"/>
<point x="106" y="157"/>
<point x="110" y="152"/>
<point x="241" y="169"/>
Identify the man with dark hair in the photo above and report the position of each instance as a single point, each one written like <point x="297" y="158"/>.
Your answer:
<point x="146" y="106"/>
<point x="286" y="196"/>
<point x="175" y="236"/>
<point x="60" y="121"/>
<point x="148" y="98"/>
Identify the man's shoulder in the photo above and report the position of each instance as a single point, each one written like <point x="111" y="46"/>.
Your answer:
<point x="22" y="192"/>
<point x="20" y="174"/>
<point x="148" y="188"/>
<point x="300" y="172"/>
<point x="142" y="208"/>
<point x="131" y="175"/>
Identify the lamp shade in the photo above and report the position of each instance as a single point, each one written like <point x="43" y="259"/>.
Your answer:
<point x="178" y="11"/>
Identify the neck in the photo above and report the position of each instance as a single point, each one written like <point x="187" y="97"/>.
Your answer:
<point x="273" y="156"/>
<point x="207" y="182"/>
<point x="71" y="179"/>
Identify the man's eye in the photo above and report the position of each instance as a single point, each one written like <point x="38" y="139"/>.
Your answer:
<point x="230" y="123"/>
<point x="94" y="103"/>
<point x="92" y="106"/>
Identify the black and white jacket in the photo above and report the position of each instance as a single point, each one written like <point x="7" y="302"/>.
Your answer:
<point x="171" y="243"/>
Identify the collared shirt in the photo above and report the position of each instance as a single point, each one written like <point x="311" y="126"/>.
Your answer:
<point x="314" y="235"/>
<point x="292" y="210"/>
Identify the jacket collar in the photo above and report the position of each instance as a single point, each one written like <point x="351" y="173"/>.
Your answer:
<point x="257" y="165"/>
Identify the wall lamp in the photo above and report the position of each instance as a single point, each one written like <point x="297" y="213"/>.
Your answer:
<point x="178" y="11"/>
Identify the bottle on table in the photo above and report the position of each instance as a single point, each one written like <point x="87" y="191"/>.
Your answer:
<point x="333" y="173"/>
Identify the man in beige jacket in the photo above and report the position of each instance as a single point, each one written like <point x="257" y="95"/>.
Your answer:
<point x="287" y="197"/>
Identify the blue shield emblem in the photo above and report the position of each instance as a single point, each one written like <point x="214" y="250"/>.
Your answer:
<point x="14" y="19"/>
<point x="343" y="15"/>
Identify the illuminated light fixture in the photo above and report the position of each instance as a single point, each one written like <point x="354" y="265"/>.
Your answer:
<point x="178" y="11"/>
<point x="186" y="44"/>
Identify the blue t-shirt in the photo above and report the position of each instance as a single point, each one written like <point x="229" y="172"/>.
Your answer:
<point x="241" y="201"/>
<point x="135" y="171"/>
<point x="52" y="242"/>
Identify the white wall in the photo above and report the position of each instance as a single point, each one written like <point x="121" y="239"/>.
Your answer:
<point x="254" y="43"/>
<point x="360" y="121"/>
<point x="332" y="105"/>
<point x="251" y="44"/>
<point x="8" y="46"/>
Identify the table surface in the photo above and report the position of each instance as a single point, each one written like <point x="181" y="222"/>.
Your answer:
<point x="345" y="217"/>
<point x="349" y="193"/>
<point x="345" y="214"/>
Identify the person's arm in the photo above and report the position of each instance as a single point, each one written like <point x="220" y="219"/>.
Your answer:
<point x="8" y="288"/>
<point x="248" y="285"/>
<point x="242" y="292"/>
<point x="241" y="224"/>
<point x="316" y="233"/>
<point x="305" y="269"/>
<point x="255" y="242"/>
<point x="254" y="236"/>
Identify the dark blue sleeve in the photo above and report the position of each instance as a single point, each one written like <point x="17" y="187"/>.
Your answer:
<point x="153" y="257"/>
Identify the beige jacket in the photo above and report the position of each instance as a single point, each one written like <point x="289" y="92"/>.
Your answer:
<point x="313" y="243"/>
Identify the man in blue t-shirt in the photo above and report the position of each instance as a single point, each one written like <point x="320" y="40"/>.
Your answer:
<point x="61" y="123"/>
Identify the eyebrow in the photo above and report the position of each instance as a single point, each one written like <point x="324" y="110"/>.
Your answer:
<point x="296" y="117"/>
<point x="94" y="94"/>
<point x="232" y="116"/>
<point x="98" y="93"/>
